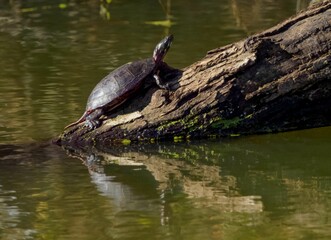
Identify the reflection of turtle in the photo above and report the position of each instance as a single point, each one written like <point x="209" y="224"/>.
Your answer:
<point x="120" y="84"/>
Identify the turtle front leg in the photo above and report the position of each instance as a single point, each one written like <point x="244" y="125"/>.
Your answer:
<point x="92" y="120"/>
<point x="160" y="83"/>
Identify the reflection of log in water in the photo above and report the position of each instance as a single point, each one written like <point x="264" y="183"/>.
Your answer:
<point x="178" y="181"/>
<point x="196" y="180"/>
<point x="247" y="176"/>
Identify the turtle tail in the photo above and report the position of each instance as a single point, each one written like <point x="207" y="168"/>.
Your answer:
<point x="82" y="119"/>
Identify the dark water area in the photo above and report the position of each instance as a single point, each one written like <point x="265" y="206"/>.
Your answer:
<point x="52" y="53"/>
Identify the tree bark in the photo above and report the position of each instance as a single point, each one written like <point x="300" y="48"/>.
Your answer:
<point x="277" y="80"/>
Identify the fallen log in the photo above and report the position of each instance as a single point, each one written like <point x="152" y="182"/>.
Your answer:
<point x="277" y="80"/>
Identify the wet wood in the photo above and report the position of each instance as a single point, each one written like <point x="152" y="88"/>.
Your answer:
<point x="277" y="80"/>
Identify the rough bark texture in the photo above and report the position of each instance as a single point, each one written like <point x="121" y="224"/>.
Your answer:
<point x="277" y="80"/>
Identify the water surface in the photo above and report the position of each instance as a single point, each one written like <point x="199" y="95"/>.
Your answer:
<point x="52" y="54"/>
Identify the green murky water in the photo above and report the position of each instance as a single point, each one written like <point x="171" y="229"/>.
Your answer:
<point x="52" y="53"/>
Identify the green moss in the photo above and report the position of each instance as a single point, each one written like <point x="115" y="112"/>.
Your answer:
<point x="126" y="141"/>
<point x="191" y="124"/>
<point x="249" y="116"/>
<point x="186" y="123"/>
<point x="178" y="138"/>
<point x="225" y="123"/>
<point x="168" y="125"/>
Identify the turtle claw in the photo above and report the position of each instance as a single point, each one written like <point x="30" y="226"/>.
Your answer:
<point x="160" y="83"/>
<point x="92" y="120"/>
<point x="166" y="86"/>
<point x="92" y="124"/>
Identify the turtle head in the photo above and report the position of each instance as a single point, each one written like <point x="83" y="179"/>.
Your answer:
<point x="162" y="48"/>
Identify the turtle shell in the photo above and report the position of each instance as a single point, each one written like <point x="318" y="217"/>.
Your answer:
<point x="118" y="85"/>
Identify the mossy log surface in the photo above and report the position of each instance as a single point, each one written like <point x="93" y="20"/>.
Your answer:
<point x="277" y="80"/>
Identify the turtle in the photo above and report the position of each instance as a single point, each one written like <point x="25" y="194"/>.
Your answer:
<point x="119" y="85"/>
